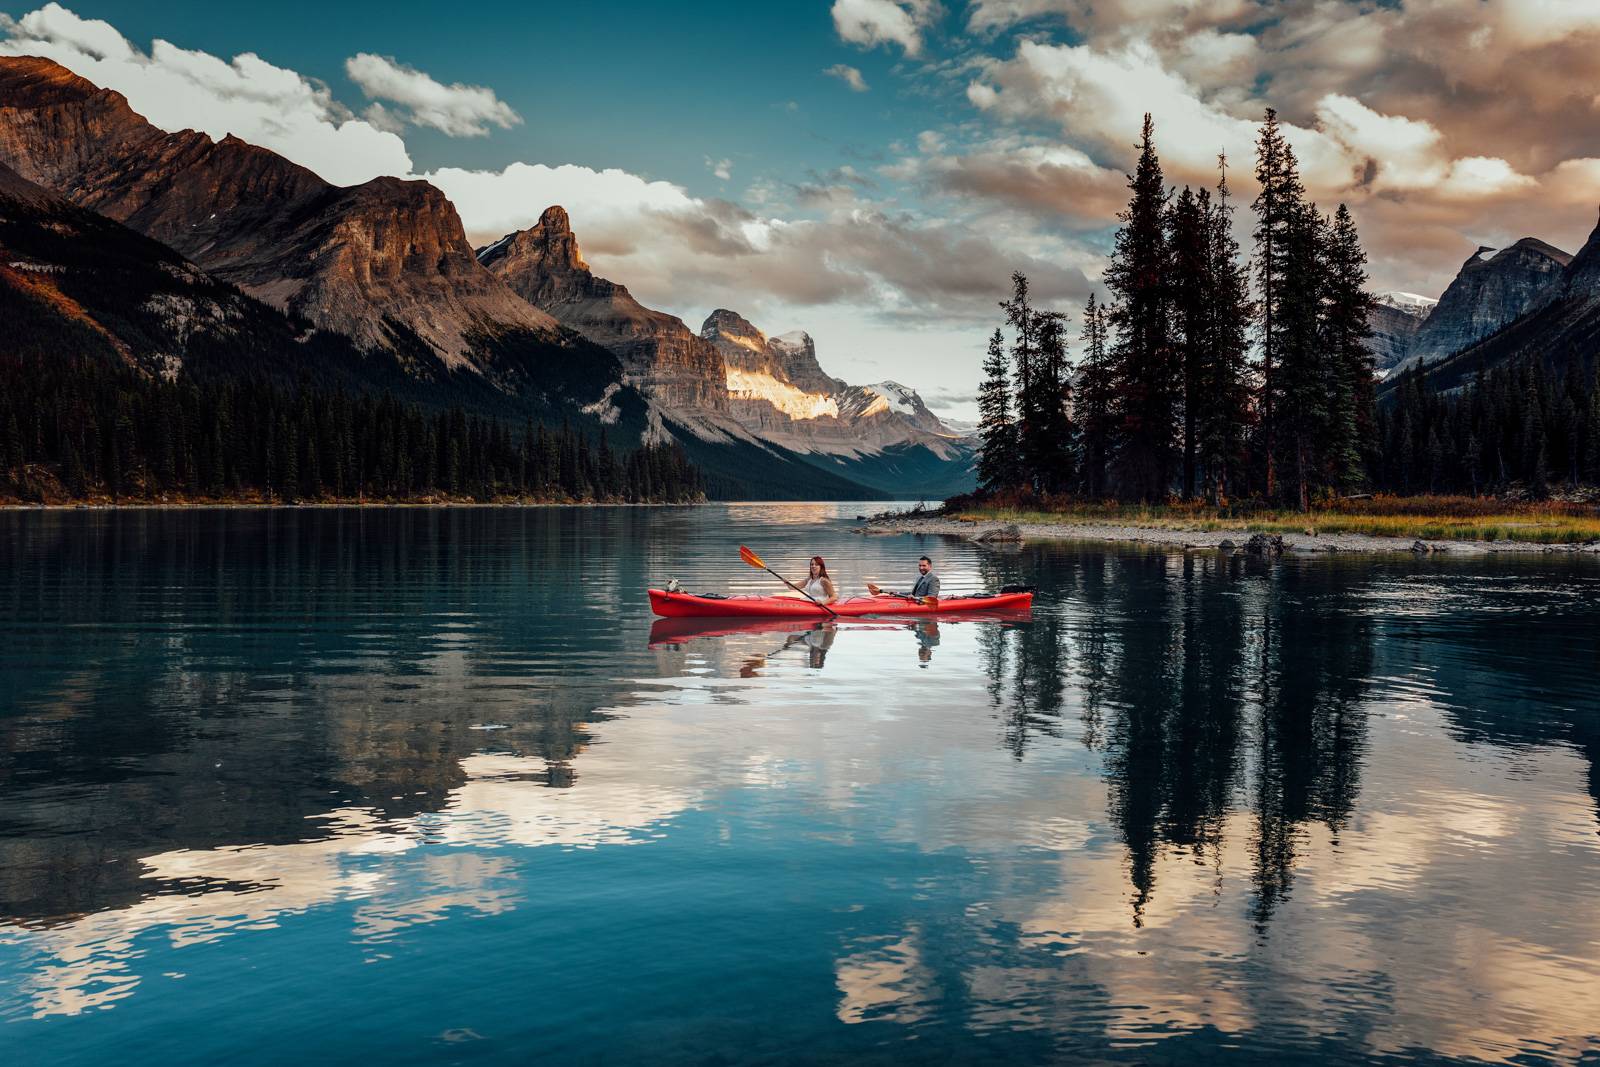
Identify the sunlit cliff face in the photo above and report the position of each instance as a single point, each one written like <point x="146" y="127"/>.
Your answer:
<point x="793" y="402"/>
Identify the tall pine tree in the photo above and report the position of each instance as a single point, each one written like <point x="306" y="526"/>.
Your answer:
<point x="1222" y="403"/>
<point x="997" y="431"/>
<point x="1053" y="443"/>
<point x="1189" y="238"/>
<point x="1096" y="396"/>
<point x="1277" y="207"/>
<point x="1351" y="428"/>
<point x="1299" y="393"/>
<point x="1147" y="375"/>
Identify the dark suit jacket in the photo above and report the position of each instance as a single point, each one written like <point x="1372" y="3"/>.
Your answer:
<point x="927" y="585"/>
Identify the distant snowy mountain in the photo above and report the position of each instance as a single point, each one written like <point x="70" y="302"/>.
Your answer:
<point x="1395" y="322"/>
<point x="1411" y="304"/>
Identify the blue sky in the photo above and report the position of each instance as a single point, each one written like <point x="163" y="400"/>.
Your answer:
<point x="648" y="87"/>
<point x="709" y="160"/>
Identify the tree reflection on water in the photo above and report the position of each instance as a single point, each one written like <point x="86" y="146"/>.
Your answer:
<point x="1205" y="683"/>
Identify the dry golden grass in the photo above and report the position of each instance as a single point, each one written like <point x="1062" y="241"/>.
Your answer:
<point x="1429" y="518"/>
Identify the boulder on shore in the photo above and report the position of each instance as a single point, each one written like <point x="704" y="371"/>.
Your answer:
<point x="1008" y="534"/>
<point x="1265" y="545"/>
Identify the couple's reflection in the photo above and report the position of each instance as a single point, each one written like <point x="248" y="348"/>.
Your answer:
<point x="808" y="640"/>
<point x="814" y="644"/>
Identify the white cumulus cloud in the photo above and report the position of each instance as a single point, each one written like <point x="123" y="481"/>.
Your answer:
<point x="870" y="23"/>
<point x="455" y="110"/>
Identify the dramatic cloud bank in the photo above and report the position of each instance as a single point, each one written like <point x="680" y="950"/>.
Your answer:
<point x="1444" y="123"/>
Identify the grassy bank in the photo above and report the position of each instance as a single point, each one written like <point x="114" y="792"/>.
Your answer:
<point x="1431" y="518"/>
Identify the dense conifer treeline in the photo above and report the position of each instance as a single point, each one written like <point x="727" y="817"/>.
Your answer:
<point x="1165" y="400"/>
<point x="96" y="428"/>
<point x="1521" y="426"/>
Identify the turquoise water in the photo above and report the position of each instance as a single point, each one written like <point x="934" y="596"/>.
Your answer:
<point x="422" y="785"/>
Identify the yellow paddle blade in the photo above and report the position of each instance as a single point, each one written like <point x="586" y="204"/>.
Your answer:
<point x="932" y="602"/>
<point x="750" y="557"/>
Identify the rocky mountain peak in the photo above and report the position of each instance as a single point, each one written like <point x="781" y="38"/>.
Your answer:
<point x="1394" y="321"/>
<point x="554" y="238"/>
<point x="386" y="262"/>
<point x="1494" y="287"/>
<point x="554" y="220"/>
<point x="33" y="81"/>
<point x="723" y="324"/>
<point x="789" y="359"/>
<point x="794" y="339"/>
<point x="1543" y="248"/>
<point x="545" y="267"/>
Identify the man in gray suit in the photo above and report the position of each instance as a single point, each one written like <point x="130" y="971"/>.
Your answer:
<point x="927" y="585"/>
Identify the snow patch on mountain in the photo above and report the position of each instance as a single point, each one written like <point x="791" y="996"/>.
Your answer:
<point x="793" y="341"/>
<point x="897" y="396"/>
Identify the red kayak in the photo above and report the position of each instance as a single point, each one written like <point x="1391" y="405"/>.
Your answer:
<point x="690" y="606"/>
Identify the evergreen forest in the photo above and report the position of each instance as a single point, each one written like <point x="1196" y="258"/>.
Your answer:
<point x="84" y="428"/>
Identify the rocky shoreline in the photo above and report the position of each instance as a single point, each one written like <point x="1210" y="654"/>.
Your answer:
<point x="1196" y="540"/>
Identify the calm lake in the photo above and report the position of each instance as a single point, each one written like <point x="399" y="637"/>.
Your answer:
<point x="423" y="785"/>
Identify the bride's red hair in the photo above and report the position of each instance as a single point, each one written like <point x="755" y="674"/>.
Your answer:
<point x="822" y="568"/>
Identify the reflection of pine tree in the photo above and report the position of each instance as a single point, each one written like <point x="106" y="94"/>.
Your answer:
<point x="1316" y="654"/>
<point x="1204" y="743"/>
<point x="1038" y="688"/>
<point x="1093" y="649"/>
<point x="993" y="647"/>
<point x="1140" y="696"/>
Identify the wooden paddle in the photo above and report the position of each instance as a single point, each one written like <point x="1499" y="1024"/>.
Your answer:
<point x="755" y="561"/>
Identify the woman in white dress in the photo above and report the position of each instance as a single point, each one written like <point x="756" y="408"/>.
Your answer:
<point x="819" y="586"/>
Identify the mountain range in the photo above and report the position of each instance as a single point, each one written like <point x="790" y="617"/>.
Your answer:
<point x="379" y="281"/>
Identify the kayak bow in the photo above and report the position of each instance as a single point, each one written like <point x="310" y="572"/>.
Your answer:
<point x="689" y="606"/>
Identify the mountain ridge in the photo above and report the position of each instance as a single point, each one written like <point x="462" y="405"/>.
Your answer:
<point x="1493" y="288"/>
<point x="768" y="388"/>
<point x="385" y="262"/>
<point x="1562" y="325"/>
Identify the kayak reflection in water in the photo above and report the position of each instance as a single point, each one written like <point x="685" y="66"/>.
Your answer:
<point x="927" y="584"/>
